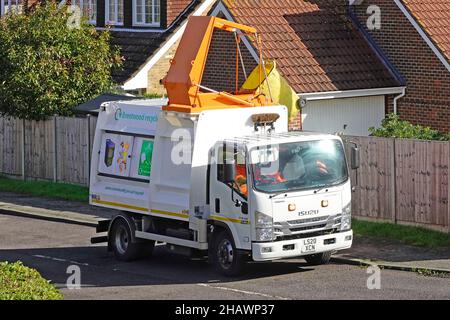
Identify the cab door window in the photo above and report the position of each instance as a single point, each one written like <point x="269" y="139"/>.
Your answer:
<point x="233" y="155"/>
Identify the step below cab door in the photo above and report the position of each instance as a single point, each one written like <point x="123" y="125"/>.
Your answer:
<point x="229" y="192"/>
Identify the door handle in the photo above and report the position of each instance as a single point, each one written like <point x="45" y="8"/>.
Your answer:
<point x="217" y="205"/>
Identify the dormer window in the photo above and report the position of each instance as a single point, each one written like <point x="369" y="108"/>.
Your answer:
<point x="146" y="13"/>
<point x="114" y="12"/>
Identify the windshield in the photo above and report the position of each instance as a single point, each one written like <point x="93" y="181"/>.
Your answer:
<point x="298" y="165"/>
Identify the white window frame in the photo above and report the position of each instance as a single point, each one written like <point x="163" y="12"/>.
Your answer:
<point x="15" y="6"/>
<point x="108" y="20"/>
<point x="80" y="4"/>
<point x="146" y="24"/>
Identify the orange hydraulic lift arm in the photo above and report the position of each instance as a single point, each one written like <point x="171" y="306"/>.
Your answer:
<point x="183" y="80"/>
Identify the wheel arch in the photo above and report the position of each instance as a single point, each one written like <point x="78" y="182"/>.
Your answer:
<point x="131" y="224"/>
<point x="232" y="231"/>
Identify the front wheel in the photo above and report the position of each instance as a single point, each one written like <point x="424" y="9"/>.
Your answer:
<point x="122" y="245"/>
<point x="318" y="258"/>
<point x="227" y="260"/>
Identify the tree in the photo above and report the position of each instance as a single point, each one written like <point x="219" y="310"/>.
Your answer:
<point x="49" y="65"/>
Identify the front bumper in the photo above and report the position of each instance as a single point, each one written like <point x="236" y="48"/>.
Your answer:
<point x="293" y="248"/>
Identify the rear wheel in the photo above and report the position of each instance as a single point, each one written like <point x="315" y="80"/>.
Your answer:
<point x="318" y="258"/>
<point x="122" y="244"/>
<point x="227" y="260"/>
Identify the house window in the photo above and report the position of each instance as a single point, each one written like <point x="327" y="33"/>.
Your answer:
<point x="9" y="6"/>
<point x="114" y="12"/>
<point x="146" y="12"/>
<point x="88" y="9"/>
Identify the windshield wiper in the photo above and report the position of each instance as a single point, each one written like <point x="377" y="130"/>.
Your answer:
<point x="321" y="188"/>
<point x="327" y="186"/>
<point x="277" y="194"/>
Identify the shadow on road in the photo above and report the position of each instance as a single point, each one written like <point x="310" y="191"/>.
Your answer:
<point x="100" y="269"/>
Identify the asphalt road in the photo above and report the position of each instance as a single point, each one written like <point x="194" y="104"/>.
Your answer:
<point x="51" y="247"/>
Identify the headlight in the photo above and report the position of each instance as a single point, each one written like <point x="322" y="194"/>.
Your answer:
<point x="263" y="220"/>
<point x="264" y="234"/>
<point x="263" y="227"/>
<point x="346" y="221"/>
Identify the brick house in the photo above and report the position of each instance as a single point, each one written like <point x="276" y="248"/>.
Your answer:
<point x="343" y="76"/>
<point x="341" y="80"/>
<point x="414" y="36"/>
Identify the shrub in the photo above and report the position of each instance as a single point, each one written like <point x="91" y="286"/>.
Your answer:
<point x="18" y="282"/>
<point x="393" y="126"/>
<point x="47" y="67"/>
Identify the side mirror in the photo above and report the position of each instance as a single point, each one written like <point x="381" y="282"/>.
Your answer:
<point x="354" y="157"/>
<point x="229" y="172"/>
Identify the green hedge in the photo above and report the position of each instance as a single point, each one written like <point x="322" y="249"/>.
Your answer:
<point x="393" y="126"/>
<point x="18" y="282"/>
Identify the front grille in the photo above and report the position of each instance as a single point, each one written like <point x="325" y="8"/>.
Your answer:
<point x="316" y="226"/>
<point x="291" y="222"/>
<point x="308" y="225"/>
<point x="306" y="235"/>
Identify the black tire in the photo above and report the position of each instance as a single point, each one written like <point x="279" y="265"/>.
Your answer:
<point x="122" y="245"/>
<point x="227" y="260"/>
<point x="318" y="258"/>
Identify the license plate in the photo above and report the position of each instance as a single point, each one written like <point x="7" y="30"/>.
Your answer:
<point x="309" y="245"/>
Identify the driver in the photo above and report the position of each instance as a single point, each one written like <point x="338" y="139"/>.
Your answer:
<point x="241" y="179"/>
<point x="266" y="175"/>
<point x="321" y="167"/>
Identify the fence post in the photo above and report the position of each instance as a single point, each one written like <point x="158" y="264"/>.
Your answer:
<point x="23" y="149"/>
<point x="448" y="189"/>
<point x="88" y="148"/>
<point x="55" y="150"/>
<point x="394" y="179"/>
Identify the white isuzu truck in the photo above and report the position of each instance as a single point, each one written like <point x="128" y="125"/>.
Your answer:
<point x="228" y="183"/>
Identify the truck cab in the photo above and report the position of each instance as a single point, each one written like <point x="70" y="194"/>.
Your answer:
<point x="283" y="195"/>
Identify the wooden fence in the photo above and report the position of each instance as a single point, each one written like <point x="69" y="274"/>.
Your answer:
<point x="403" y="181"/>
<point x="58" y="149"/>
<point x="399" y="180"/>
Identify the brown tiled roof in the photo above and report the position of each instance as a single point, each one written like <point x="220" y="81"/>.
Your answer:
<point x="317" y="48"/>
<point x="434" y="18"/>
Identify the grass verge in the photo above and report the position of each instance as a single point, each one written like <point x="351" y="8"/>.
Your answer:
<point x="406" y="234"/>
<point x="45" y="189"/>
<point x="18" y="282"/>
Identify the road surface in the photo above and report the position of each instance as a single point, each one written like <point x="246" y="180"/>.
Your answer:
<point x="51" y="247"/>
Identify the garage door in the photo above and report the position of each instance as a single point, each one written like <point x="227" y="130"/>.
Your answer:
<point x="357" y="114"/>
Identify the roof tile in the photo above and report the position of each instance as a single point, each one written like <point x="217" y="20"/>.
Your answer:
<point x="434" y="17"/>
<point x="316" y="46"/>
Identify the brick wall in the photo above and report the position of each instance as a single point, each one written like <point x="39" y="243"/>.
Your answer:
<point x="29" y="5"/>
<point x="159" y="71"/>
<point x="427" y="100"/>
<point x="221" y="63"/>
<point x="220" y="68"/>
<point x="296" y="123"/>
<point x="174" y="8"/>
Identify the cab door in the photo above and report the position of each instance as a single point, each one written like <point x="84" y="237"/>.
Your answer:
<point x="229" y="196"/>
